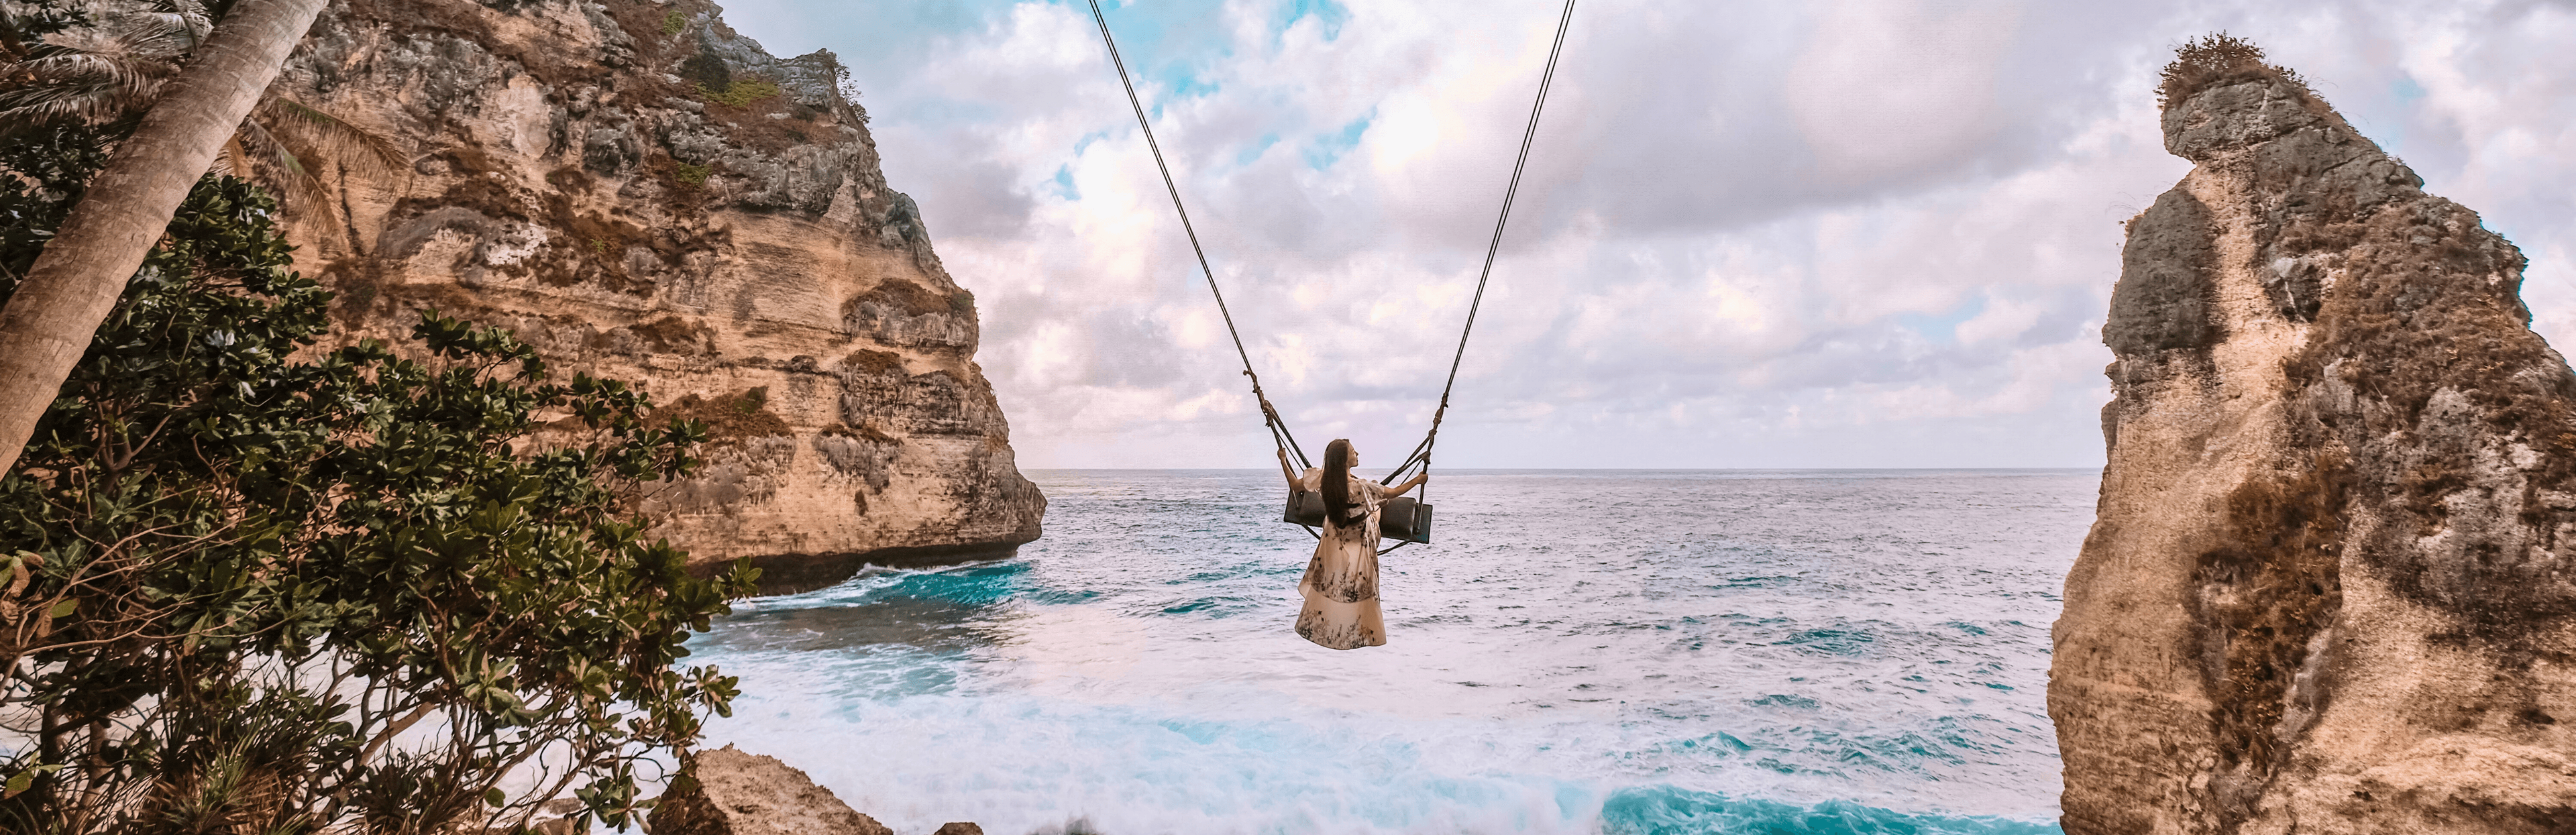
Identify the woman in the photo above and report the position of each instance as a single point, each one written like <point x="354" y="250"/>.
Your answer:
<point x="1340" y="585"/>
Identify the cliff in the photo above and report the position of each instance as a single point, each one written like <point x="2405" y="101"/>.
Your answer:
<point x="2328" y="588"/>
<point x="645" y="195"/>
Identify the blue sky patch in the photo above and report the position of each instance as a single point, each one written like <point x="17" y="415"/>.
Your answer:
<point x="1942" y="328"/>
<point x="2406" y="89"/>
<point x="1087" y="139"/>
<point x="1064" y="186"/>
<point x="1165" y="47"/>
<point x="1329" y="148"/>
<point x="1328" y="14"/>
<point x="1253" y="152"/>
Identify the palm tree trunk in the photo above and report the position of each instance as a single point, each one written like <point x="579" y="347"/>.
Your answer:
<point x="49" y="321"/>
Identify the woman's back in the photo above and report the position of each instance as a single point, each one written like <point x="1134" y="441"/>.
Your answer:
<point x="1340" y="585"/>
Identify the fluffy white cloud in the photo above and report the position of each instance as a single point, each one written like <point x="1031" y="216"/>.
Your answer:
<point x="1848" y="233"/>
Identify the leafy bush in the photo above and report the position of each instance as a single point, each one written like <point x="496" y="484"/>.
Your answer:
<point x="246" y="592"/>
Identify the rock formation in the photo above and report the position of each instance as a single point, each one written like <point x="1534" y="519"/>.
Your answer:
<point x="645" y="195"/>
<point x="2328" y="588"/>
<point x="738" y="793"/>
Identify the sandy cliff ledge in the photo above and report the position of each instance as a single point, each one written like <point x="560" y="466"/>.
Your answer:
<point x="645" y="195"/>
<point x="2328" y="589"/>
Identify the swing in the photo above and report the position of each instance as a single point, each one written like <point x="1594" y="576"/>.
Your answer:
<point x="1400" y="518"/>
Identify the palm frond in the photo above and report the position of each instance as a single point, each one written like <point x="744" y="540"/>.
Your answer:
<point x="195" y="17"/>
<point x="233" y="160"/>
<point x="120" y="65"/>
<point x="168" y="32"/>
<point x="277" y="166"/>
<point x="95" y="78"/>
<point x="322" y="135"/>
<point x="54" y="63"/>
<point x="138" y="35"/>
<point x="94" y="100"/>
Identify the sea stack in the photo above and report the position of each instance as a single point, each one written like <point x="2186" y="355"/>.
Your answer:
<point x="2328" y="587"/>
<point x="643" y="194"/>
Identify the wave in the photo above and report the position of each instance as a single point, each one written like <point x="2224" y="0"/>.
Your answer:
<point x="1667" y="810"/>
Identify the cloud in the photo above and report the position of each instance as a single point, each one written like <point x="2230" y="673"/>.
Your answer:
<point x="1849" y="233"/>
<point x="1887" y="88"/>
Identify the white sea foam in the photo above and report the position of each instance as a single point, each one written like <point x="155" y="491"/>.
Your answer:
<point x="1717" y="652"/>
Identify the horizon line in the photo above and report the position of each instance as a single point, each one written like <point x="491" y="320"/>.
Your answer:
<point x="1595" y="469"/>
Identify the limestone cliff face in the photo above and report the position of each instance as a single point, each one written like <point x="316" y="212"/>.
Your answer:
<point x="645" y="195"/>
<point x="2328" y="590"/>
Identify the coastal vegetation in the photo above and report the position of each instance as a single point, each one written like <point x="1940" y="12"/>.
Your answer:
<point x="61" y="298"/>
<point x="110" y="65"/>
<point x="251" y="582"/>
<point x="242" y="589"/>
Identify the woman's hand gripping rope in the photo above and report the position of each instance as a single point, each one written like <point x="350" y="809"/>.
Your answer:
<point x="1294" y="484"/>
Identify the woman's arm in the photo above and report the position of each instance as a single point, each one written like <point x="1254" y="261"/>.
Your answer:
<point x="1408" y="485"/>
<point x="1293" y="484"/>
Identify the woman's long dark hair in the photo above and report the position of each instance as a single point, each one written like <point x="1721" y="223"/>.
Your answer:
<point x="1337" y="483"/>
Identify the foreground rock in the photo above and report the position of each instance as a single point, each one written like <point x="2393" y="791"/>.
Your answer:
<point x="642" y="194"/>
<point x="739" y="793"/>
<point x="2328" y="590"/>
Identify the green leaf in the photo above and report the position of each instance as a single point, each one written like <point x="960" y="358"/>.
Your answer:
<point x="65" y="608"/>
<point x="26" y="778"/>
<point x="494" y="798"/>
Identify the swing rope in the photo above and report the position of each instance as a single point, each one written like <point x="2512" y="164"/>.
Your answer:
<point x="1421" y="455"/>
<point x="1279" y="434"/>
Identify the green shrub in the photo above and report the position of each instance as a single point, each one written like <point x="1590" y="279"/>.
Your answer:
<point x="741" y="93"/>
<point x="674" y="22"/>
<point x="708" y="73"/>
<point x="245" y="592"/>
<point x="691" y="175"/>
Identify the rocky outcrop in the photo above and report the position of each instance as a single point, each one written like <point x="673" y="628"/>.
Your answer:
<point x="643" y="194"/>
<point x="2328" y="590"/>
<point x="739" y="793"/>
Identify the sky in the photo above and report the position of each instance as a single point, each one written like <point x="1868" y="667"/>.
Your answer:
<point x="1839" y="233"/>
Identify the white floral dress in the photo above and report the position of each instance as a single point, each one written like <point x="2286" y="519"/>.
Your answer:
<point x="1340" y="585"/>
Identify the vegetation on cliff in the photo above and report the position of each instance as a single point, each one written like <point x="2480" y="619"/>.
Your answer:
<point x="2326" y="591"/>
<point x="246" y="585"/>
<point x="2214" y="60"/>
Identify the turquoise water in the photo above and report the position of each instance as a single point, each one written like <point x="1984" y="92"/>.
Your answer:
<point x="1627" y="653"/>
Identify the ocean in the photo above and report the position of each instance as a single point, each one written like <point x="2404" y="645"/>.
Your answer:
<point x="1615" y="652"/>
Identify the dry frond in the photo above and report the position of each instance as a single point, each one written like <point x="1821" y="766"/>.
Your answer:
<point x="323" y="135"/>
<point x="275" y="164"/>
<point x="90" y="75"/>
<point x="102" y="71"/>
<point x="173" y="33"/>
<point x="233" y="160"/>
<point x="93" y="99"/>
